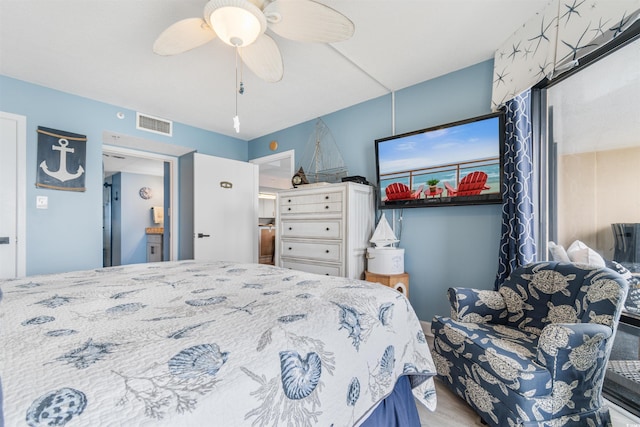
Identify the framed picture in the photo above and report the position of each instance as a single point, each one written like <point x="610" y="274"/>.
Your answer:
<point x="61" y="160"/>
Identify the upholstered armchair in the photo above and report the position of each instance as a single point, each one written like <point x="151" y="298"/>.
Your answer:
<point x="534" y="352"/>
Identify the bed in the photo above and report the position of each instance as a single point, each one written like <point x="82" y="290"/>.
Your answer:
<point x="188" y="343"/>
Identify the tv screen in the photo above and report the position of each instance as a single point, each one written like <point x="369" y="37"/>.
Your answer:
<point x="452" y="164"/>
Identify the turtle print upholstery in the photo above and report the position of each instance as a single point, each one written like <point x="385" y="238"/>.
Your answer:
<point x="534" y="352"/>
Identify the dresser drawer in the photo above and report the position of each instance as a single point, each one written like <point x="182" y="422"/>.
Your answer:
<point x="311" y="199"/>
<point x="316" y="209"/>
<point x="312" y="229"/>
<point x="320" y="251"/>
<point x="327" y="270"/>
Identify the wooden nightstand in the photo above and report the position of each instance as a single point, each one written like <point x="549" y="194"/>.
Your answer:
<point x="399" y="282"/>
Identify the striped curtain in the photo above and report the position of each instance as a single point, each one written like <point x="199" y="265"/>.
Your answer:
<point x="517" y="243"/>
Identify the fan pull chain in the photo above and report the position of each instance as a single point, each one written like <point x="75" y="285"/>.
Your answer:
<point x="239" y="89"/>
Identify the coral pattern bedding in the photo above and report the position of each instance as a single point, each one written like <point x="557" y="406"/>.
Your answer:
<point x="189" y="343"/>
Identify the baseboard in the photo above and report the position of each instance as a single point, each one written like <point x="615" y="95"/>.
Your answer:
<point x="426" y="328"/>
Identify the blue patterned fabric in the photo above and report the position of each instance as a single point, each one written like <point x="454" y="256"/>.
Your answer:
<point x="534" y="352"/>
<point x="517" y="244"/>
<point x="187" y="343"/>
<point x="471" y="305"/>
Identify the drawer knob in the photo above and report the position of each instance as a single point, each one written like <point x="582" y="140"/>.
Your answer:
<point x="327" y="228"/>
<point x="326" y="197"/>
<point x="326" y="207"/>
<point x="326" y="274"/>
<point x="289" y="201"/>
<point x="288" y="209"/>
<point x="290" y="228"/>
<point x="327" y="251"/>
<point x="289" y="248"/>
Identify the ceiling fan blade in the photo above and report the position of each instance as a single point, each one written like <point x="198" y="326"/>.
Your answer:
<point x="307" y="21"/>
<point x="264" y="59"/>
<point x="183" y="36"/>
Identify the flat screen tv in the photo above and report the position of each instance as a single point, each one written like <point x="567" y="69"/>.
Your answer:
<point x="456" y="163"/>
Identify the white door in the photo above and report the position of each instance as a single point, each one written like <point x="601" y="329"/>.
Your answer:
<point x="225" y="209"/>
<point x="12" y="165"/>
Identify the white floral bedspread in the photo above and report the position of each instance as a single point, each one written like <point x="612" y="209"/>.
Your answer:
<point x="187" y="344"/>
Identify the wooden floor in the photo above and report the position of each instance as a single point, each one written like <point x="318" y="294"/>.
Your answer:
<point x="452" y="411"/>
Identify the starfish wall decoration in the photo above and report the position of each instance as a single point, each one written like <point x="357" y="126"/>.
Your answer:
<point x="554" y="40"/>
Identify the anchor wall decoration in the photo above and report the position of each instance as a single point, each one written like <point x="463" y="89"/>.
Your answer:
<point x="61" y="160"/>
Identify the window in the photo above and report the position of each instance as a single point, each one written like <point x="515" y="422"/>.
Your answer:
<point x="593" y="132"/>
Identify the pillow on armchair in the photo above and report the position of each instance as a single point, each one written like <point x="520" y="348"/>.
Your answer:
<point x="558" y="253"/>
<point x="579" y="252"/>
<point x="583" y="254"/>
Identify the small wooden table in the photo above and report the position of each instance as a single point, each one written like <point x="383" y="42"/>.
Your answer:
<point x="399" y="282"/>
<point x="437" y="192"/>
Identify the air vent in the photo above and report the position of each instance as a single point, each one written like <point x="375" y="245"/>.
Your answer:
<point x="154" y="124"/>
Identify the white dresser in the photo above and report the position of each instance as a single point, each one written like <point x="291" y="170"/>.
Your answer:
<point x="325" y="228"/>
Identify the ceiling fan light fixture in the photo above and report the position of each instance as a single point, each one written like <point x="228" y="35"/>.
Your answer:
<point x="238" y="23"/>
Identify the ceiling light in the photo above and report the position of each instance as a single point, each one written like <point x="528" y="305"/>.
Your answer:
<point x="236" y="22"/>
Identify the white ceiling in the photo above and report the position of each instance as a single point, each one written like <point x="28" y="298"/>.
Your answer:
<point x="101" y="50"/>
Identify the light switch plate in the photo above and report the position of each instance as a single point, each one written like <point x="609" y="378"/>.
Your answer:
<point x="42" y="202"/>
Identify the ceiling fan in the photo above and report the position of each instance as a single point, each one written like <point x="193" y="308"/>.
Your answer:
<point x="242" y="24"/>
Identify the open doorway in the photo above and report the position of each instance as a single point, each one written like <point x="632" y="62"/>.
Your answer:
<point x="135" y="152"/>
<point x="133" y="209"/>
<point x="275" y="172"/>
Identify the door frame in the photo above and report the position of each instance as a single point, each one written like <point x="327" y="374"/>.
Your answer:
<point x="289" y="154"/>
<point x="173" y="177"/>
<point x="21" y="191"/>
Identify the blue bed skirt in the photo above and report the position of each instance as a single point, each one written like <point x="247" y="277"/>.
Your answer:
<point x="397" y="410"/>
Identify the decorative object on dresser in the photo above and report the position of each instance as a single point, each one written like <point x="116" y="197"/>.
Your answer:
<point x="325" y="228"/>
<point x="356" y="178"/>
<point x="399" y="282"/>
<point x="322" y="160"/>
<point x="299" y="178"/>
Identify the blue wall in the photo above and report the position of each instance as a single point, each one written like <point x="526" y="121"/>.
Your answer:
<point x="68" y="235"/>
<point x="444" y="246"/>
<point x="137" y="214"/>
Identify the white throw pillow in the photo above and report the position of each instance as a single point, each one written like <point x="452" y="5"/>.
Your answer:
<point x="558" y="253"/>
<point x="583" y="254"/>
